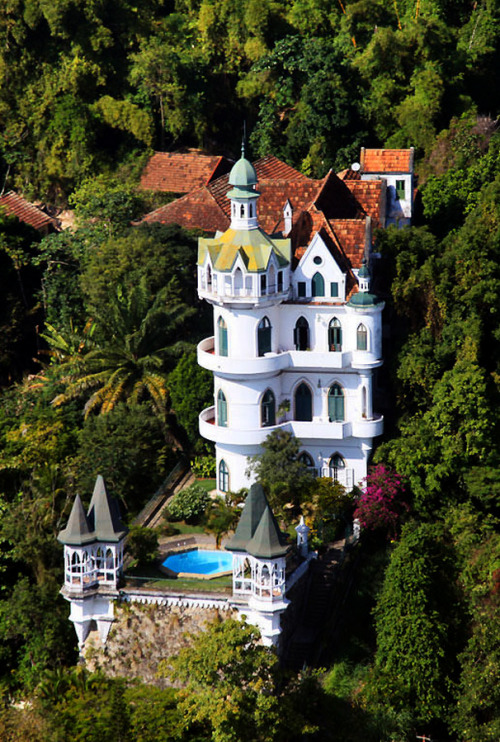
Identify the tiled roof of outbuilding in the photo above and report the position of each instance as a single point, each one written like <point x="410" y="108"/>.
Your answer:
<point x="16" y="205"/>
<point x="386" y="160"/>
<point x="182" y="172"/>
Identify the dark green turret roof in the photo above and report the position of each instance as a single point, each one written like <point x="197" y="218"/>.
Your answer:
<point x="101" y="523"/>
<point x="363" y="299"/>
<point x="243" y="178"/>
<point x="268" y="542"/>
<point x="104" y="516"/>
<point x="255" y="504"/>
<point x="77" y="531"/>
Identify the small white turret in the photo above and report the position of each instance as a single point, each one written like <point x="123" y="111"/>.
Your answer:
<point x="302" y="537"/>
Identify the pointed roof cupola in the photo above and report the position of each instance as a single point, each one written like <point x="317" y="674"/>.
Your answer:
<point x="104" y="516"/>
<point x="255" y="504"/>
<point x="363" y="298"/>
<point x="243" y="195"/>
<point x="267" y="542"/>
<point x="78" y="531"/>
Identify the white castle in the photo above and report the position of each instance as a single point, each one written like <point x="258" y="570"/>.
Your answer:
<point x="297" y="336"/>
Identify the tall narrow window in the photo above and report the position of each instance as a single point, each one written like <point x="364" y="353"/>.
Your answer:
<point x="303" y="403"/>
<point x="223" y="476"/>
<point x="301" y="334"/>
<point x="361" y="338"/>
<point x="400" y="190"/>
<point x="301" y="289"/>
<point x="268" y="409"/>
<point x="263" y="284"/>
<point x="221" y="409"/>
<point x="238" y="281"/>
<point x="334" y="289"/>
<point x="337" y="467"/>
<point x="336" y="403"/>
<point x="363" y="402"/>
<point x="335" y="335"/>
<point x="242" y="211"/>
<point x="264" y="336"/>
<point x="222" y="336"/>
<point x="307" y="460"/>
<point x="318" y="285"/>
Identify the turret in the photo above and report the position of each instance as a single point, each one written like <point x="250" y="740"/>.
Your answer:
<point x="93" y="561"/>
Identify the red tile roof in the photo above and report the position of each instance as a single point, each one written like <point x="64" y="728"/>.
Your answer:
<point x="182" y="172"/>
<point x="386" y="160"/>
<point x="26" y="212"/>
<point x="371" y="196"/>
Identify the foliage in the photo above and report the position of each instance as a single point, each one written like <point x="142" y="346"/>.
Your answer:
<point x="230" y="684"/>
<point x="191" y="389"/>
<point x="382" y="503"/>
<point x="189" y="503"/>
<point x="329" y="509"/>
<point x="222" y="518"/>
<point x="142" y="544"/>
<point x="203" y="467"/>
<point x="127" y="448"/>
<point x="418" y="626"/>
<point x="283" y="476"/>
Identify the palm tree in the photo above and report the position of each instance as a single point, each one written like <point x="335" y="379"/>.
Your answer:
<point x="138" y="340"/>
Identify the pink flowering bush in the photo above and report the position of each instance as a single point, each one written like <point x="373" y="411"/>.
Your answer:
<point x="383" y="502"/>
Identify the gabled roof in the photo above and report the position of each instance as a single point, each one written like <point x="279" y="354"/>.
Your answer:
<point x="16" y="205"/>
<point x="182" y="172"/>
<point x="77" y="531"/>
<point x="103" y="515"/>
<point x="386" y="160"/>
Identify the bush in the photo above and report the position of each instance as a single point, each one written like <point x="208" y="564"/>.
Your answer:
<point x="142" y="545"/>
<point x="189" y="504"/>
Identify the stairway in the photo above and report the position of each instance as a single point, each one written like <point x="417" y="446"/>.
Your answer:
<point x="304" y="647"/>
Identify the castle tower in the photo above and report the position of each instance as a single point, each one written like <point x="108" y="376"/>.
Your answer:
<point x="259" y="566"/>
<point x="296" y="330"/>
<point x="93" y="561"/>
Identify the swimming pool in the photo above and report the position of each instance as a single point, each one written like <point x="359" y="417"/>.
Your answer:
<point x="200" y="562"/>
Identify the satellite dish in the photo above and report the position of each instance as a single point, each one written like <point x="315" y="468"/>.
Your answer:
<point x="355" y="166"/>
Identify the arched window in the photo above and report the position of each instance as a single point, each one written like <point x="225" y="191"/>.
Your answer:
<point x="361" y="338"/>
<point x="336" y="403"/>
<point x="272" y="279"/>
<point x="264" y="336"/>
<point x="337" y="467"/>
<point x="268" y="409"/>
<point x="335" y="335"/>
<point x="301" y="334"/>
<point x="238" y="280"/>
<point x="223" y="476"/>
<point x="303" y="403"/>
<point x="363" y="402"/>
<point x="222" y="336"/>
<point x="221" y="409"/>
<point x="209" y="277"/>
<point x="318" y="285"/>
<point x="242" y="211"/>
<point x="307" y="460"/>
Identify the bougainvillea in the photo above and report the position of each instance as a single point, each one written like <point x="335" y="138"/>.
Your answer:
<point x="383" y="502"/>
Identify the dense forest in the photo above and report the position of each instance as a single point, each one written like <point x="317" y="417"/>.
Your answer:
<point x="97" y="338"/>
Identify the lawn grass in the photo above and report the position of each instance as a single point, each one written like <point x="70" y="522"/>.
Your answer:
<point x="207" y="484"/>
<point x="152" y="578"/>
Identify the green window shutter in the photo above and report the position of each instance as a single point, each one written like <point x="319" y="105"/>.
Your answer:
<point x="361" y="338"/>
<point x="221" y="409"/>
<point x="222" y="331"/>
<point x="400" y="189"/>
<point x="301" y="288"/>
<point x="334" y="288"/>
<point x="336" y="403"/>
<point x="318" y="285"/>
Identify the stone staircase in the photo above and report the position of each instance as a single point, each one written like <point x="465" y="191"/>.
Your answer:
<point x="304" y="647"/>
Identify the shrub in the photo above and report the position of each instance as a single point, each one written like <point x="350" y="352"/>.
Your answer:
<point x="142" y="544"/>
<point x="189" y="504"/>
<point x="203" y="467"/>
<point x="383" y="503"/>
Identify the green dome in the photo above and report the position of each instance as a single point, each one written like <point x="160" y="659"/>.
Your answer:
<point x="243" y="174"/>
<point x="363" y="299"/>
<point x="363" y="271"/>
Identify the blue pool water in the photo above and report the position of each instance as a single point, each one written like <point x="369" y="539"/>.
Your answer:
<point x="200" y="562"/>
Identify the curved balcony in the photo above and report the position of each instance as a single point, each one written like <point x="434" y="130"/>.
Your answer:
<point x="305" y="431"/>
<point x="299" y="360"/>
<point x="241" y="296"/>
<point x="364" y="360"/>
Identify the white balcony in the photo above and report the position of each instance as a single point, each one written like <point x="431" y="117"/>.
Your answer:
<point x="305" y="431"/>
<point x="299" y="360"/>
<point x="228" y="294"/>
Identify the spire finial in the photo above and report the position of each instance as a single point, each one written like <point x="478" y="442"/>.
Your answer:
<point x="244" y="138"/>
